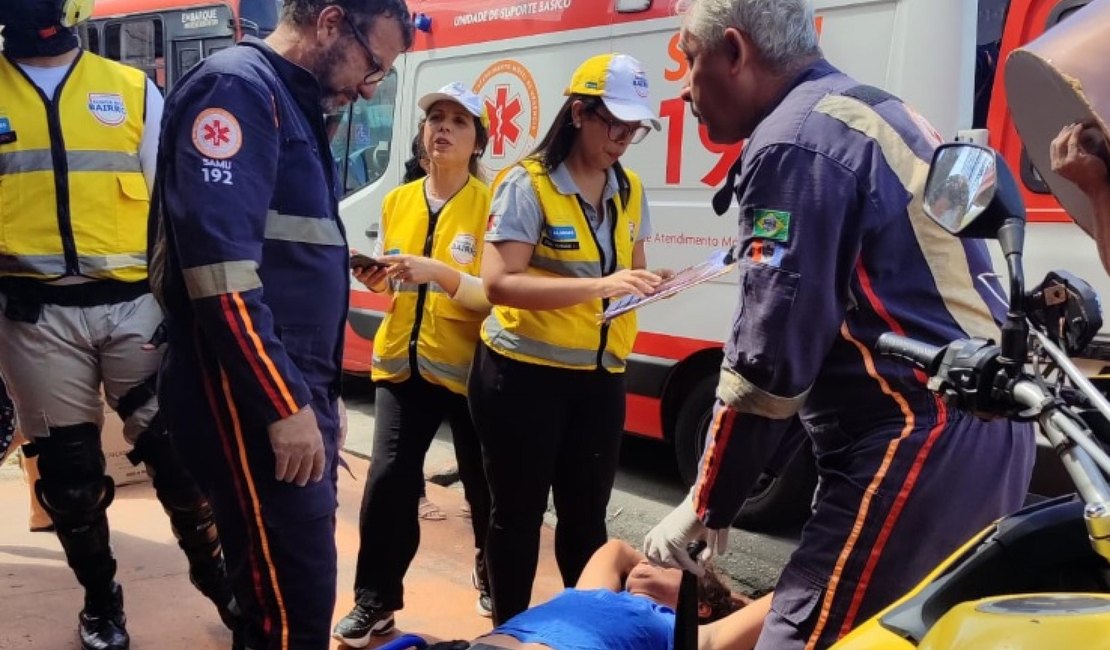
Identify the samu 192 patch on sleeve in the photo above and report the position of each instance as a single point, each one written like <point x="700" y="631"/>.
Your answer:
<point x="771" y="224"/>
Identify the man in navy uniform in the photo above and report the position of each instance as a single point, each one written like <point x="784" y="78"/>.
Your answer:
<point x="835" y="250"/>
<point x="252" y="266"/>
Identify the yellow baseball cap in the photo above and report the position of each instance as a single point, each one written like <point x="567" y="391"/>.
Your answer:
<point x="619" y="80"/>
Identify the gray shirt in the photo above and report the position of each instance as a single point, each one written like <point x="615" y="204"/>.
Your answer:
<point x="515" y="214"/>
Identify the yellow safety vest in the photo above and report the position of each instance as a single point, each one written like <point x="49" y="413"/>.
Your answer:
<point x="424" y="325"/>
<point x="72" y="195"/>
<point x="571" y="337"/>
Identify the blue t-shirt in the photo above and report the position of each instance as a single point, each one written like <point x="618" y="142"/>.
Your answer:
<point x="595" y="619"/>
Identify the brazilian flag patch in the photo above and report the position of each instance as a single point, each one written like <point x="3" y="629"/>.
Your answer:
<point x="771" y="224"/>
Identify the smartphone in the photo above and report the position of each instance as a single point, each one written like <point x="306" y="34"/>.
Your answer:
<point x="360" y="261"/>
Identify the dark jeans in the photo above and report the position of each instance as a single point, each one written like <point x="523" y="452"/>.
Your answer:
<point x="543" y="429"/>
<point x="406" y="418"/>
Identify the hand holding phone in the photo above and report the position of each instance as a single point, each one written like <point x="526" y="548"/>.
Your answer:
<point x="365" y="262"/>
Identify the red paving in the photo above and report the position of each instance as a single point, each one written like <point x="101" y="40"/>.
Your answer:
<point x="40" y="598"/>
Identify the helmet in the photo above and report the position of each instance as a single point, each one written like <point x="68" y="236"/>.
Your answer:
<point x="75" y="12"/>
<point x="43" y="14"/>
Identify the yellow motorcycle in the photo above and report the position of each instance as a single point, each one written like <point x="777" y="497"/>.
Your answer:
<point x="1039" y="578"/>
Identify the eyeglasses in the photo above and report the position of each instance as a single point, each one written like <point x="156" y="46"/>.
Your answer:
<point x="377" y="70"/>
<point x="621" y="131"/>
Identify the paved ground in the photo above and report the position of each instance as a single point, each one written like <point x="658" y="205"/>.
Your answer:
<point x="38" y="610"/>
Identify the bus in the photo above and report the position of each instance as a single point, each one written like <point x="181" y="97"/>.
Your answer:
<point x="165" y="38"/>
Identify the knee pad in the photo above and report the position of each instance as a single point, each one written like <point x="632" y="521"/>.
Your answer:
<point x="73" y="485"/>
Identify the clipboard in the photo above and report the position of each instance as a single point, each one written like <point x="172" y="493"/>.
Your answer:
<point x="719" y="263"/>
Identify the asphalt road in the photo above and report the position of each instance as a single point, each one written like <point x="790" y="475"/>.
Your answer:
<point x="647" y="488"/>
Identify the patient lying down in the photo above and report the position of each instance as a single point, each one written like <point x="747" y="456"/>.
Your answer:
<point x="622" y="602"/>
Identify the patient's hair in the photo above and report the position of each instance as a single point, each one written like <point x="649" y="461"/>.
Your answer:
<point x="450" y="645"/>
<point x="714" y="592"/>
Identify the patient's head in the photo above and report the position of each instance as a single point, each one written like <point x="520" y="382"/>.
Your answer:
<point x="662" y="586"/>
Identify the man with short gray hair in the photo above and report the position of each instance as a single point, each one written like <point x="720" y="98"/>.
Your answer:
<point x="834" y="250"/>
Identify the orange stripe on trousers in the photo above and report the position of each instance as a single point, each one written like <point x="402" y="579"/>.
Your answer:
<point x="869" y="493"/>
<point x="257" y="511"/>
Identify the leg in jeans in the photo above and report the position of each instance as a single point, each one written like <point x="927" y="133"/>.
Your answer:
<point x="407" y="416"/>
<point x="468" y="454"/>
<point x="519" y="421"/>
<point x="587" y="466"/>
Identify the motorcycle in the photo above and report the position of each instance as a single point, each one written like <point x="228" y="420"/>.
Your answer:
<point x="1039" y="578"/>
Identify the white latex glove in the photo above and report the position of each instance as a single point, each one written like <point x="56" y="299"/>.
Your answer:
<point x="665" y="544"/>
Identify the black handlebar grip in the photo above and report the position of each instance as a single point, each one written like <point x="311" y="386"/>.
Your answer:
<point x="910" y="351"/>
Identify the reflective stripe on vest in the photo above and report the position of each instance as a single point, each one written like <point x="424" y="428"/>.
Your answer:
<point x="571" y="337"/>
<point x="95" y="226"/>
<point x="505" y="341"/>
<point x="40" y="160"/>
<point x="444" y="332"/>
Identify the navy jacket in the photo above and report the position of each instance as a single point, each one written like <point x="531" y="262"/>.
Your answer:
<point x="251" y="260"/>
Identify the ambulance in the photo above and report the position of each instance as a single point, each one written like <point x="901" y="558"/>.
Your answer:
<point x="940" y="56"/>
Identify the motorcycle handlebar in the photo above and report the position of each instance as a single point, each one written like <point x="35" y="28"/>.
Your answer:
<point x="913" y="352"/>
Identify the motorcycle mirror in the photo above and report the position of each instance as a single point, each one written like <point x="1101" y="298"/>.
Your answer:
<point x="970" y="191"/>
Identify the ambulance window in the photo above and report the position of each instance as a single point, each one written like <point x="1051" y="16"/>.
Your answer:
<point x="138" y="43"/>
<point x="361" y="144"/>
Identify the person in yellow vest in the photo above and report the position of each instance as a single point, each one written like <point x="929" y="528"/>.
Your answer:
<point x="565" y="235"/>
<point x="78" y="140"/>
<point x="429" y="247"/>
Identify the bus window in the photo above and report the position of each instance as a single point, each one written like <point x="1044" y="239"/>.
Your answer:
<point x="362" y="157"/>
<point x="89" y="37"/>
<point x="138" y="43"/>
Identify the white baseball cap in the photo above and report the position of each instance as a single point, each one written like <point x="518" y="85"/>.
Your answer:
<point x="619" y="80"/>
<point x="461" y="95"/>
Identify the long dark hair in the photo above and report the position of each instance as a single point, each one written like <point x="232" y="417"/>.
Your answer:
<point x="556" y="144"/>
<point x="415" y="167"/>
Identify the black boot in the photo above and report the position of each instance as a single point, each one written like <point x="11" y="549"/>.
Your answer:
<point x="102" y="624"/>
<point x="190" y="517"/>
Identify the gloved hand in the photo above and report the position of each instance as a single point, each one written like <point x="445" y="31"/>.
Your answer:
<point x="665" y="544"/>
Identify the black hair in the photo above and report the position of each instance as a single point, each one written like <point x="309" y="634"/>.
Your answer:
<point x="450" y="645"/>
<point x="416" y="166"/>
<point x="362" y="12"/>
<point x="556" y="144"/>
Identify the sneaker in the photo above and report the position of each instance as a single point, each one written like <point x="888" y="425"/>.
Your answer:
<point x="102" y="623"/>
<point x="356" y="628"/>
<point x="484" y="606"/>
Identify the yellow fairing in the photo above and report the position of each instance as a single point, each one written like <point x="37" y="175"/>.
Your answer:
<point x="1025" y="622"/>
<point x="100" y="121"/>
<point x="871" y="635"/>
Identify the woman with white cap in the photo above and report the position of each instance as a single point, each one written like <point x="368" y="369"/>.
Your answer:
<point x="566" y="234"/>
<point x="428" y="255"/>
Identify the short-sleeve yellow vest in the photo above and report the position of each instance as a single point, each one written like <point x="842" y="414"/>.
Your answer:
<point x="572" y="337"/>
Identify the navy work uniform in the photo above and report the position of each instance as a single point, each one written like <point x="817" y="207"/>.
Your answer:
<point x="255" y="286"/>
<point x="835" y="250"/>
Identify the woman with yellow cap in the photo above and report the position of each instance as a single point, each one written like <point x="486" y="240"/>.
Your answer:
<point x="427" y="257"/>
<point x="566" y="234"/>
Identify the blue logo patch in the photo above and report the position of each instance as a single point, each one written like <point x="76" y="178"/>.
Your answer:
<point x="392" y="251"/>
<point x="562" y="233"/>
<point x="5" y="125"/>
